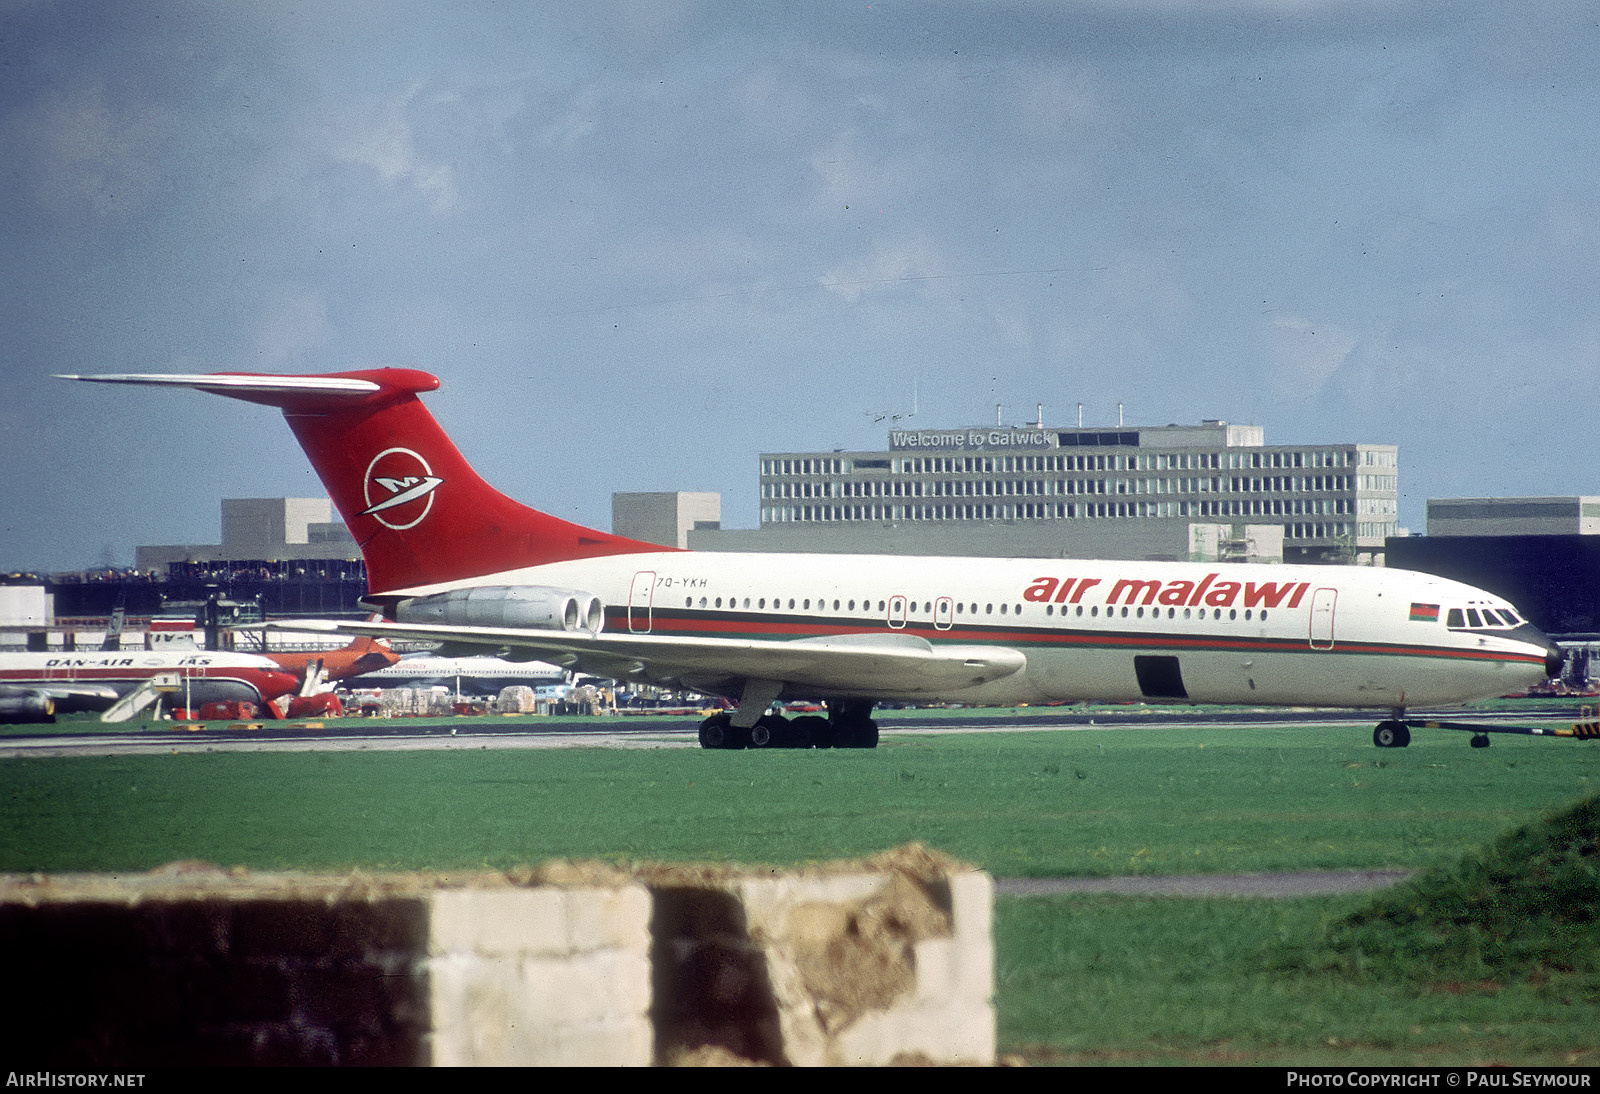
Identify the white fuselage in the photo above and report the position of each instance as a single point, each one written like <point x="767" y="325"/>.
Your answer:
<point x="1090" y="630"/>
<point x="91" y="680"/>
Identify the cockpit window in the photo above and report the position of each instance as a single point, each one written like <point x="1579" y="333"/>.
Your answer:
<point x="1482" y="618"/>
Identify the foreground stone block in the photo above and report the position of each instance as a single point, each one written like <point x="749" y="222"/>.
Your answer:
<point x="198" y="966"/>
<point x="889" y="960"/>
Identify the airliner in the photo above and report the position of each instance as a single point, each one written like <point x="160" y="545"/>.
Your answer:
<point x="479" y="674"/>
<point x="450" y="559"/>
<point x="34" y="687"/>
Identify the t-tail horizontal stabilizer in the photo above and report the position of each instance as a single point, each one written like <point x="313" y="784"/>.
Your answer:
<point x="419" y="511"/>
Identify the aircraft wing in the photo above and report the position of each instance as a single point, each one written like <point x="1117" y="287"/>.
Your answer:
<point x="37" y="700"/>
<point x="63" y="690"/>
<point x="888" y="664"/>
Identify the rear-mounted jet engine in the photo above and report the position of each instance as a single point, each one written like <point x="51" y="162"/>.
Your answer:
<point x="534" y="606"/>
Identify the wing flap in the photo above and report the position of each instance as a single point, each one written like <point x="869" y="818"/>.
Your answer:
<point x="890" y="665"/>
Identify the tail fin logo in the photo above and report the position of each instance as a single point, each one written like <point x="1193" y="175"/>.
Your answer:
<point x="399" y="488"/>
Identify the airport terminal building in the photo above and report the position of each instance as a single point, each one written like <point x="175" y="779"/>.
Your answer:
<point x="1213" y="490"/>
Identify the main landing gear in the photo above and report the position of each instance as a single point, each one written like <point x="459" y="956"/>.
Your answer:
<point x="848" y="725"/>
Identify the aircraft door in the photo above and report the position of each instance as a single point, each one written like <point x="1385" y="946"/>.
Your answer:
<point x="1322" y="604"/>
<point x="640" y="600"/>
<point x="897" y="612"/>
<point x="944" y="613"/>
<point x="1160" y="677"/>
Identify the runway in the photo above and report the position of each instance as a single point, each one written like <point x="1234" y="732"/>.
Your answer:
<point x="422" y="734"/>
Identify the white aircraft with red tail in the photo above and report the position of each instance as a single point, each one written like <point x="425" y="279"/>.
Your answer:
<point x="34" y="687"/>
<point x="450" y="559"/>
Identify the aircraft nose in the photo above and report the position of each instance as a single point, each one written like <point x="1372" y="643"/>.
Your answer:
<point x="1554" y="655"/>
<point x="1554" y="658"/>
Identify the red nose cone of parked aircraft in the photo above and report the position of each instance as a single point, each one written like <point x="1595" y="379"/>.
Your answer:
<point x="273" y="683"/>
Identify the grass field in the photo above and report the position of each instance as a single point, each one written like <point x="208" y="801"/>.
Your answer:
<point x="1148" y="801"/>
<point x="1107" y="980"/>
<point x="1083" y="979"/>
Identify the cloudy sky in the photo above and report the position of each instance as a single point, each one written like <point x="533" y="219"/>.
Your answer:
<point x="642" y="242"/>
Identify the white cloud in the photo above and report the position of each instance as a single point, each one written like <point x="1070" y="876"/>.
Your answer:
<point x="386" y="144"/>
<point x="1050" y="104"/>
<point x="79" y="150"/>
<point x="293" y="322"/>
<point x="1303" y="355"/>
<point x="575" y="124"/>
<point x="851" y="173"/>
<point x="887" y="265"/>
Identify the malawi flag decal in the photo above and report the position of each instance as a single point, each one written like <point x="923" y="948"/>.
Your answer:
<point x="1424" y="613"/>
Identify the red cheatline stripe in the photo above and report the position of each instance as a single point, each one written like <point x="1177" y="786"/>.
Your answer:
<point x="669" y="623"/>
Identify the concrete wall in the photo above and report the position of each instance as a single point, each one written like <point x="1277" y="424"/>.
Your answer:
<point x="664" y="518"/>
<point x="888" y="960"/>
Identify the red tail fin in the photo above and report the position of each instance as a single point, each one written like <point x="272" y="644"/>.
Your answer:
<point x="419" y="512"/>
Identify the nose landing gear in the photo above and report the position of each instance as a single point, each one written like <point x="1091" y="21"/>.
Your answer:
<point x="1392" y="734"/>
